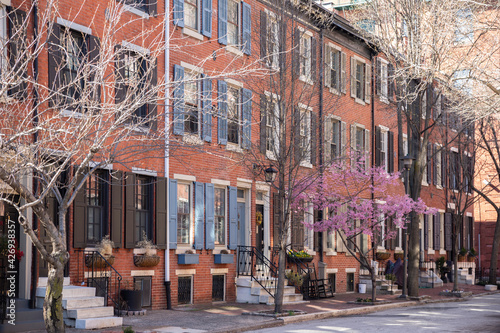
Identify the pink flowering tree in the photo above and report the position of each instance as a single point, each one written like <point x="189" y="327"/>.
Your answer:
<point x="358" y="201"/>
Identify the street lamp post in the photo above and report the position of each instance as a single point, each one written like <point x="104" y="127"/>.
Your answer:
<point x="407" y="162"/>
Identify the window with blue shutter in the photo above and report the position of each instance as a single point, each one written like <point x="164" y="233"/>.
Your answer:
<point x="222" y="22"/>
<point x="222" y="112"/>
<point x="206" y="29"/>
<point x="178" y="100"/>
<point x="179" y="13"/>
<point x="172" y="213"/>
<point x="207" y="109"/>
<point x="247" y="118"/>
<point x="209" y="216"/>
<point x="233" y="218"/>
<point x="246" y="20"/>
<point x="198" y="215"/>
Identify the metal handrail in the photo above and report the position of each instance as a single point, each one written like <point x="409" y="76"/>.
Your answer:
<point x="95" y="267"/>
<point x="253" y="263"/>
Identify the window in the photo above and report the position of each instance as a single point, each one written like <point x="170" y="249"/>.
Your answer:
<point x="332" y="280"/>
<point x="183" y="214"/>
<point x="464" y="31"/>
<point x="96" y="197"/>
<point x="305" y="57"/>
<point x="468" y="172"/>
<point x="191" y="14"/>
<point x="218" y="287"/>
<point x="73" y="43"/>
<point x="220" y="216"/>
<point x="308" y="233"/>
<point x="271" y="128"/>
<point x="331" y="241"/>
<point x="335" y="63"/>
<point x="134" y="82"/>
<point x="143" y="207"/>
<point x="360" y="145"/>
<point x="383" y="148"/>
<point x="147" y="6"/>
<point x="233" y="117"/>
<point x="191" y="100"/>
<point x="305" y="136"/>
<point x="462" y="82"/>
<point x="233" y="22"/>
<point x="273" y="42"/>
<point x="143" y="283"/>
<point x="334" y="139"/>
<point x="184" y="289"/>
<point x="454" y="170"/>
<point x="438" y="167"/>
<point x="382" y="84"/>
<point x="360" y="80"/>
<point x="350" y="282"/>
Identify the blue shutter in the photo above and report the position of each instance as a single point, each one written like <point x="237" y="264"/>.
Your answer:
<point x="222" y="121"/>
<point x="222" y="22"/>
<point x="198" y="215"/>
<point x="209" y="216"/>
<point x="179" y="13"/>
<point x="246" y="23"/>
<point x="233" y="218"/>
<point x="178" y="100"/>
<point x="247" y="118"/>
<point x="172" y="213"/>
<point x="207" y="109"/>
<point x="206" y="29"/>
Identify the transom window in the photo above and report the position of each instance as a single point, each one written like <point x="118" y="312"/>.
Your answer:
<point x="74" y="52"/>
<point x="233" y="125"/>
<point x="183" y="214"/>
<point x="220" y="216"/>
<point x="191" y="14"/>
<point x="233" y="22"/>
<point x="143" y="204"/>
<point x="191" y="100"/>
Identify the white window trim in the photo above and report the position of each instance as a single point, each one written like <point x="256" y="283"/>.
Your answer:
<point x="272" y="97"/>
<point x="136" y="48"/>
<point x="309" y="216"/>
<point x="218" y="247"/>
<point x="136" y="11"/>
<point x="384" y="83"/>
<point x="74" y="26"/>
<point x="185" y="178"/>
<point x="144" y="172"/>
<point x="358" y="59"/>
<point x="191" y="68"/>
<point x="181" y="248"/>
<point x="439" y="167"/>
<point x="192" y="33"/>
<point x="384" y="137"/>
<point x="306" y="78"/>
<point x="337" y="49"/>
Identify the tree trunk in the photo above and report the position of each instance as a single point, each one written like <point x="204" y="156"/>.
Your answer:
<point x="373" y="273"/>
<point x="52" y="306"/>
<point x="494" y="252"/>
<point x="278" y="296"/>
<point x="455" y="253"/>
<point x="413" y="256"/>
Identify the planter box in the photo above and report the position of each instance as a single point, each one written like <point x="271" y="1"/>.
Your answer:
<point x="188" y="259"/>
<point x="291" y="260"/>
<point x="383" y="255"/>
<point x="399" y="255"/>
<point x="223" y="258"/>
<point x="146" y="261"/>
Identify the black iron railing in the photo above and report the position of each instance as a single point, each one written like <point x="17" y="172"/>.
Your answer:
<point x="251" y="262"/>
<point x="96" y="270"/>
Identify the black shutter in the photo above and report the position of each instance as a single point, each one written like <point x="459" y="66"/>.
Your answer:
<point x="313" y="58"/>
<point x="296" y="53"/>
<point x="153" y="117"/>
<point x="130" y="210"/>
<point x="378" y="145"/>
<point x="390" y="151"/>
<point x="437" y="231"/>
<point x="426" y="232"/>
<point x="298" y="153"/>
<point x="94" y="47"/>
<point x="429" y="163"/>
<point x="263" y="35"/>
<point x="55" y="61"/>
<point x="17" y="28"/>
<point x="448" y="218"/>
<point x="120" y="92"/>
<point x="152" y="7"/>
<point x="161" y="213"/>
<point x="80" y="217"/>
<point x="314" y="144"/>
<point x="282" y="41"/>
<point x="434" y="165"/>
<point x="116" y="208"/>
<point x="444" y="169"/>
<point x="276" y="219"/>
<point x="263" y="123"/>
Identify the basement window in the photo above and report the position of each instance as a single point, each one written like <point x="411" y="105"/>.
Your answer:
<point x="184" y="289"/>
<point x="144" y="283"/>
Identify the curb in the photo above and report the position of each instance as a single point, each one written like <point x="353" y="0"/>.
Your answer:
<point x="269" y="324"/>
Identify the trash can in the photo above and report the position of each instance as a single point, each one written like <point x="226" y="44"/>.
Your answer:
<point x="362" y="288"/>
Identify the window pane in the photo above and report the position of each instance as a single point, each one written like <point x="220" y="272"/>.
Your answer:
<point x="190" y="14"/>
<point x="183" y="214"/>
<point x="220" y="215"/>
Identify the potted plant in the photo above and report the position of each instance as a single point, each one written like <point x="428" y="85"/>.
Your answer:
<point x="190" y="257"/>
<point x="442" y="269"/>
<point x="295" y="279"/>
<point x="471" y="257"/>
<point x="224" y="257"/>
<point x="148" y="257"/>
<point x="462" y="254"/>
<point x="132" y="298"/>
<point x="300" y="255"/>
<point x="106" y="257"/>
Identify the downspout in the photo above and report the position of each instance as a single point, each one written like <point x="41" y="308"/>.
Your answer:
<point x="167" y="150"/>
<point x="34" y="262"/>
<point x="320" y="116"/>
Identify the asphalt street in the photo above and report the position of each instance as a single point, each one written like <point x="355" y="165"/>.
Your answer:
<point x="479" y="314"/>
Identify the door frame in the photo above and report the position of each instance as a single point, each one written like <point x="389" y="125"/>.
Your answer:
<point x="265" y="189"/>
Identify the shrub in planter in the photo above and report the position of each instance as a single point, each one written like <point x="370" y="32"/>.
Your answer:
<point x="149" y="258"/>
<point x="462" y="254"/>
<point x="471" y="256"/>
<point x="105" y="248"/>
<point x="383" y="255"/>
<point x="399" y="255"/>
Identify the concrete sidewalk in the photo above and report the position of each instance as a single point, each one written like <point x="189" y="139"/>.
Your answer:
<point x="227" y="317"/>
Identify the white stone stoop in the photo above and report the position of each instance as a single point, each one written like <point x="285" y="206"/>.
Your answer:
<point x="82" y="309"/>
<point x="249" y="291"/>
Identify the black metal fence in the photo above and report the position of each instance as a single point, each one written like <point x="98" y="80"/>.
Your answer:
<point x="251" y="262"/>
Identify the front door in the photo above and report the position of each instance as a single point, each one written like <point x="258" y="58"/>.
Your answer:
<point x="259" y="232"/>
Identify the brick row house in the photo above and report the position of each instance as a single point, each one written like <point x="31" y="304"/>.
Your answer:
<point x="224" y="113"/>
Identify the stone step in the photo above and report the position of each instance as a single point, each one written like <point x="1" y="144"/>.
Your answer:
<point x="98" y="323"/>
<point x="42" y="281"/>
<point x="287" y="299"/>
<point x="69" y="291"/>
<point x="95" y="312"/>
<point x="257" y="291"/>
<point x="82" y="302"/>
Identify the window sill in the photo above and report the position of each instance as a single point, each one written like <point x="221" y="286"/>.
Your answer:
<point x="181" y="249"/>
<point x="334" y="91"/>
<point x="442" y="251"/>
<point x="270" y="155"/>
<point x="234" y="51"/>
<point x="306" y="79"/>
<point x="139" y="129"/>
<point x="192" y="139"/>
<point x="234" y="147"/>
<point x="359" y="101"/>
<point x="192" y="33"/>
<point x="430" y="251"/>
<point x="384" y="100"/>
<point x="71" y="114"/>
<point x="306" y="164"/>
<point x="136" y="11"/>
<point x="425" y="184"/>
<point x="439" y="187"/>
<point x="331" y="253"/>
<point x="310" y="252"/>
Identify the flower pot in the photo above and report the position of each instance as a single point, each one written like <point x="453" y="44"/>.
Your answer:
<point x="97" y="261"/>
<point x="223" y="258"/>
<point x="383" y="255"/>
<point x="146" y="260"/>
<point x="292" y="259"/>
<point x="399" y="255"/>
<point x="188" y="258"/>
<point x="133" y="299"/>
